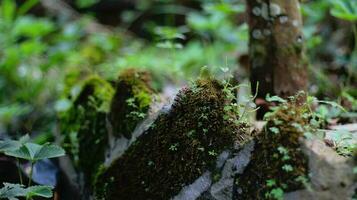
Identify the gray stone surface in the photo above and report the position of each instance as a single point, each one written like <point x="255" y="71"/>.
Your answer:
<point x="331" y="175"/>
<point x="229" y="165"/>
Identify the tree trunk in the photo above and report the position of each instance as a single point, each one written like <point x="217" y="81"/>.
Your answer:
<point x="276" y="47"/>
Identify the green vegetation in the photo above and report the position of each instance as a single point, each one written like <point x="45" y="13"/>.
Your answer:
<point x="84" y="124"/>
<point x="31" y="152"/>
<point x="132" y="99"/>
<point x="187" y="138"/>
<point x="279" y="163"/>
<point x="95" y="74"/>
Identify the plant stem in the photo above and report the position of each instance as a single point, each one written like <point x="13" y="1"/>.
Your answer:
<point x="31" y="170"/>
<point x="18" y="170"/>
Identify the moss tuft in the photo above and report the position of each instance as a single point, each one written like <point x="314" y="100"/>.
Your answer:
<point x="278" y="163"/>
<point x="131" y="101"/>
<point x="84" y="125"/>
<point x="180" y="146"/>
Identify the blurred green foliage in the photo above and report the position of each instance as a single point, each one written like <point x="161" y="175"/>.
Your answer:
<point x="43" y="59"/>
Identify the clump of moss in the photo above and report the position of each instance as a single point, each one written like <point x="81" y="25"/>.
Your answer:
<point x="278" y="164"/>
<point x="131" y="101"/>
<point x="182" y="144"/>
<point x="84" y="125"/>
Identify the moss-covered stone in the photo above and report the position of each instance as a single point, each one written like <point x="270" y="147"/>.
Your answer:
<point x="131" y="101"/>
<point x="84" y="125"/>
<point x="278" y="163"/>
<point x="180" y="146"/>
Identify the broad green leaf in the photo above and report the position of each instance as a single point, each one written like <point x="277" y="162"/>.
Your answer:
<point x="12" y="145"/>
<point x="11" y="191"/>
<point x="34" y="152"/>
<point x="39" y="191"/>
<point x="86" y="3"/>
<point x="50" y="151"/>
<point x="9" y="145"/>
<point x="24" y="139"/>
<point x="21" y="152"/>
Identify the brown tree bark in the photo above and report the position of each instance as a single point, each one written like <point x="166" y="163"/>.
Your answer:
<point x="276" y="53"/>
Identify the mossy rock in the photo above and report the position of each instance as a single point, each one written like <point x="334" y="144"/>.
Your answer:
<point x="278" y="163"/>
<point x="182" y="144"/>
<point x="132" y="99"/>
<point x="84" y="125"/>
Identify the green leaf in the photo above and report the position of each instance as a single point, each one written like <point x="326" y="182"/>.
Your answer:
<point x="21" y="152"/>
<point x="169" y="33"/>
<point x="275" y="130"/>
<point x="39" y="191"/>
<point x="333" y="104"/>
<point x="9" y="145"/>
<point x="26" y="6"/>
<point x="11" y="191"/>
<point x="277" y="193"/>
<point x="32" y="27"/>
<point x="12" y="145"/>
<point x="34" y="152"/>
<point x="344" y="9"/>
<point x="7" y="9"/>
<point x="275" y="99"/>
<point x="86" y="3"/>
<point x="271" y="182"/>
<point x="287" y="168"/>
<point x="50" y="151"/>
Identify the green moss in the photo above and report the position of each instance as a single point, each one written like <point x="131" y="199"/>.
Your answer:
<point x="84" y="125"/>
<point x="278" y="162"/>
<point x="131" y="101"/>
<point x="100" y="90"/>
<point x="181" y="145"/>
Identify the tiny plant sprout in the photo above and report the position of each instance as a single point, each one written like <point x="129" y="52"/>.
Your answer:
<point x="22" y="149"/>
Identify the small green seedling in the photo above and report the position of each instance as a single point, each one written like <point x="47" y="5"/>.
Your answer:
<point x="22" y="149"/>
